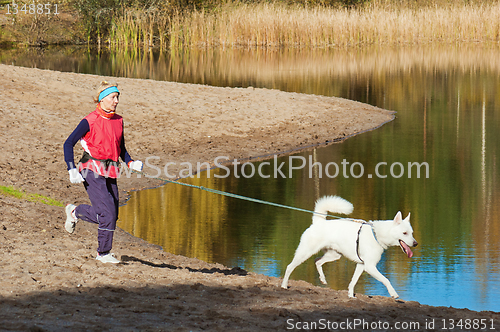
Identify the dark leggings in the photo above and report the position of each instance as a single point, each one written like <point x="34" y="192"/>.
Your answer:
<point x="103" y="194"/>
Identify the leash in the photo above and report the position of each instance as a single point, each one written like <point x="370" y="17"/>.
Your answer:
<point x="260" y="201"/>
<point x="245" y="198"/>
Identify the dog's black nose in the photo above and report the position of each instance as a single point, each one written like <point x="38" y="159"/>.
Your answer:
<point x="415" y="243"/>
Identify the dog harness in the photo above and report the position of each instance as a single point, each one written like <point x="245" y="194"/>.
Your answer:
<point x="359" y="232"/>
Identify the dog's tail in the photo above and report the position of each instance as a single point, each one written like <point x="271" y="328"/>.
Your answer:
<point x="333" y="204"/>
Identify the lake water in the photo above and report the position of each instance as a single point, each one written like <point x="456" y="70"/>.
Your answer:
<point x="448" y="114"/>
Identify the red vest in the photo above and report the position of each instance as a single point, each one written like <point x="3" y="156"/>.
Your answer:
<point x="103" y="141"/>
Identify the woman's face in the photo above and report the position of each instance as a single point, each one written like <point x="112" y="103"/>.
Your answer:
<point x="110" y="102"/>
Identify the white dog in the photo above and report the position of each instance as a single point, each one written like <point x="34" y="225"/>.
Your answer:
<point x="360" y="241"/>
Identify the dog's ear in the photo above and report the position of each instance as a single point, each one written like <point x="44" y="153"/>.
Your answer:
<point x="408" y="217"/>
<point x="398" y="218"/>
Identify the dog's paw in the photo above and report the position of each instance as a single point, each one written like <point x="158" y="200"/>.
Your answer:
<point x="323" y="281"/>
<point x="351" y="296"/>
<point x="395" y="296"/>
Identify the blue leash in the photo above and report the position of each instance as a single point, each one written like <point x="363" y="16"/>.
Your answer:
<point x="225" y="193"/>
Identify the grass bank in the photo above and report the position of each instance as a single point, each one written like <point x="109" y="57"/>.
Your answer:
<point x="21" y="194"/>
<point x="157" y="23"/>
<point x="269" y="24"/>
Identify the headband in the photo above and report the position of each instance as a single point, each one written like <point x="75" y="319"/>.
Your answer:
<point x="107" y="92"/>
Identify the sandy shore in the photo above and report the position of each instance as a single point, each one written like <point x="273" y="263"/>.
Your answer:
<point x="49" y="279"/>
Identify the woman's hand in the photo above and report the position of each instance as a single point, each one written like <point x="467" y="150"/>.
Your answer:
<point x="135" y="165"/>
<point x="75" y="176"/>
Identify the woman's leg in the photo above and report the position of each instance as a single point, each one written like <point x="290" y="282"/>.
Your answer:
<point x="103" y="195"/>
<point x="107" y="225"/>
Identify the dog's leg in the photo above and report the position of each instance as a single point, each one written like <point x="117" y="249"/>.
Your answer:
<point x="360" y="267"/>
<point x="303" y="252"/>
<point x="329" y="256"/>
<point x="374" y="272"/>
<point x="289" y="269"/>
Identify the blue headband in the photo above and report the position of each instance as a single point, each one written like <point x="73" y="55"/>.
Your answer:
<point x="107" y="92"/>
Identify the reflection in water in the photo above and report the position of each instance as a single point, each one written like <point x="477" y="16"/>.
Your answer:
<point x="196" y="230"/>
<point x="300" y="70"/>
<point x="447" y="102"/>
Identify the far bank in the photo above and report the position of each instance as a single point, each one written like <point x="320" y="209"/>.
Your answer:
<point x="172" y="26"/>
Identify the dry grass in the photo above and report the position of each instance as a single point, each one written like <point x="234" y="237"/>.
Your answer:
<point x="277" y="25"/>
<point x="381" y="22"/>
<point x="140" y="28"/>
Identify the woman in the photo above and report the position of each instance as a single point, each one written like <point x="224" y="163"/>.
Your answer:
<point x="101" y="136"/>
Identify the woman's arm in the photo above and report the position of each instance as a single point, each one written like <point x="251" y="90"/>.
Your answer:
<point x="76" y="135"/>
<point x="124" y="153"/>
<point x="133" y="164"/>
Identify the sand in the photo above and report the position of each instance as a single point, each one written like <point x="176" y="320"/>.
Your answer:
<point x="50" y="280"/>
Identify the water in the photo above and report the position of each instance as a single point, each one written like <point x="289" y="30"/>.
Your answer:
<point x="447" y="106"/>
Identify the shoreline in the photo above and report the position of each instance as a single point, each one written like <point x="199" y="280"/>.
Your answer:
<point x="268" y="156"/>
<point x="50" y="279"/>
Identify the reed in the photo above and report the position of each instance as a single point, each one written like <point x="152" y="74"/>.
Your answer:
<point x="139" y="28"/>
<point x="381" y="23"/>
